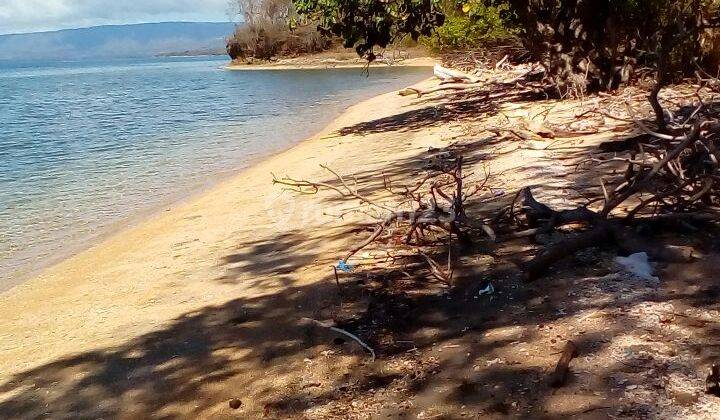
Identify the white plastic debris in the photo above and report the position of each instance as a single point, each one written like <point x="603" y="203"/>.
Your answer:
<point x="488" y="290"/>
<point x="637" y="265"/>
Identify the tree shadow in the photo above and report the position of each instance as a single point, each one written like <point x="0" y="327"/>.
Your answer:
<point x="172" y="366"/>
<point x="441" y="352"/>
<point x="471" y="106"/>
<point x="434" y="345"/>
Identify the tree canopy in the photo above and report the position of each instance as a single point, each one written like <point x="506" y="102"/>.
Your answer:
<point x="365" y="24"/>
<point x="599" y="42"/>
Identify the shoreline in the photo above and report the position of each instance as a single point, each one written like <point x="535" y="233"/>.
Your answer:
<point x="241" y="239"/>
<point x="143" y="215"/>
<point x="138" y="216"/>
<point x="211" y="310"/>
<point x="325" y="64"/>
<point x="134" y="219"/>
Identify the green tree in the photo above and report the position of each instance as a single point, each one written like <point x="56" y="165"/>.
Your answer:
<point x="470" y="24"/>
<point x="581" y="43"/>
<point x="365" y="24"/>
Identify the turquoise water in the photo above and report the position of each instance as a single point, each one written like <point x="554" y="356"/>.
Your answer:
<point x="85" y="145"/>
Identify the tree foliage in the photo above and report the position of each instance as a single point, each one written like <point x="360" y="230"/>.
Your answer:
<point x="601" y="42"/>
<point x="469" y="25"/>
<point x="582" y="43"/>
<point x="365" y="24"/>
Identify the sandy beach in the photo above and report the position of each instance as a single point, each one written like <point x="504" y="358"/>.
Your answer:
<point x="244" y="238"/>
<point x="200" y="312"/>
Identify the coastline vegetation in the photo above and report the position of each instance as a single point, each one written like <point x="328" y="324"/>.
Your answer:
<point x="470" y="25"/>
<point x="272" y="28"/>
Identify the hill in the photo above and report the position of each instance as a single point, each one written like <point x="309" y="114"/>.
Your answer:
<point x="137" y="40"/>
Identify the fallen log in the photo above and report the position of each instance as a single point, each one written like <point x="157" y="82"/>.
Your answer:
<point x="601" y="232"/>
<point x="444" y="73"/>
<point x="540" y="265"/>
<point x="536" y="211"/>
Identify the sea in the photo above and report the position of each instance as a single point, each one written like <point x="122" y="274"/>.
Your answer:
<point x="86" y="146"/>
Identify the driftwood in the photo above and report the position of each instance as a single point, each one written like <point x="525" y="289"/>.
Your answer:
<point x="671" y="175"/>
<point x="444" y="73"/>
<point x="602" y="231"/>
<point x="422" y="92"/>
<point x="452" y="80"/>
<point x="559" y="376"/>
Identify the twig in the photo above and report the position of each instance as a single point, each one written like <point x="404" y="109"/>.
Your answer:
<point x="337" y="280"/>
<point x="341" y="331"/>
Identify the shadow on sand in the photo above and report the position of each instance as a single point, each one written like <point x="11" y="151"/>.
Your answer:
<point x="256" y="348"/>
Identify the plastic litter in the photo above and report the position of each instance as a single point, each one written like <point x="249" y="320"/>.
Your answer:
<point x="344" y="267"/>
<point x="637" y="265"/>
<point x="488" y="290"/>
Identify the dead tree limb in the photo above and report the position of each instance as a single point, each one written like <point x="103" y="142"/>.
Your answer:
<point x="422" y="92"/>
<point x="600" y="231"/>
<point x="437" y="213"/>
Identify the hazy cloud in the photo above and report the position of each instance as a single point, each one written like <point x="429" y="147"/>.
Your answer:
<point x="41" y="15"/>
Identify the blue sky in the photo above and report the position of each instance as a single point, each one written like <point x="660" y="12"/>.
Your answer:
<point x="43" y="15"/>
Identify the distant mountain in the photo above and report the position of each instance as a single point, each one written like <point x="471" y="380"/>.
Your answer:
<point x="139" y="40"/>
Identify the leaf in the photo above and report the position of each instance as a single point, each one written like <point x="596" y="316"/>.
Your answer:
<point x="466" y="8"/>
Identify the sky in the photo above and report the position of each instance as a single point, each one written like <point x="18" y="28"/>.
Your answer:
<point x="17" y="16"/>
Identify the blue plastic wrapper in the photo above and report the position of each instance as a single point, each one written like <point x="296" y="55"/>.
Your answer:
<point x="345" y="267"/>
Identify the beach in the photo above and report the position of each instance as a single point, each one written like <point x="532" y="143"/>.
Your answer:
<point x="242" y="239"/>
<point x="222" y="306"/>
<point x="85" y="166"/>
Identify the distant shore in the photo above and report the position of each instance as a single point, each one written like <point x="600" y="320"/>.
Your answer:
<point x="304" y="64"/>
<point x="334" y="60"/>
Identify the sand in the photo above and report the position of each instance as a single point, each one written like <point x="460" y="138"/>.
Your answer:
<point x="203" y="304"/>
<point x="242" y="238"/>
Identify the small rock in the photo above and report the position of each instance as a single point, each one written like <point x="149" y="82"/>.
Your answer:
<point x="235" y="403"/>
<point x="683" y="397"/>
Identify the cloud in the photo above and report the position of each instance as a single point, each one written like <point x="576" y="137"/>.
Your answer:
<point x="40" y="15"/>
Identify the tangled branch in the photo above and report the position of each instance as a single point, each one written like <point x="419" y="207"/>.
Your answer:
<point x="420" y="216"/>
<point x="671" y="175"/>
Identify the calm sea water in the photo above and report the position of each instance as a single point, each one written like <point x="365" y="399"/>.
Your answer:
<point x="84" y="145"/>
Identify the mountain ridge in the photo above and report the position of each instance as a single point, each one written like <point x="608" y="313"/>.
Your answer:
<point x="111" y="41"/>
